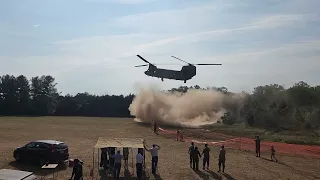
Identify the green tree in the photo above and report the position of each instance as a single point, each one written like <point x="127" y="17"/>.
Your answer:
<point x="44" y="95"/>
<point x="9" y="95"/>
<point x="23" y="95"/>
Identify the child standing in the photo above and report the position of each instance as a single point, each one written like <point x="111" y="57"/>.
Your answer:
<point x="273" y="152"/>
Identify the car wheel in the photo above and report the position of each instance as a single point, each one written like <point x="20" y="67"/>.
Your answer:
<point x="17" y="157"/>
<point x="41" y="162"/>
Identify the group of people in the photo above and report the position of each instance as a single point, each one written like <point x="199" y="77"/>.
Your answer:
<point x="115" y="159"/>
<point x="195" y="155"/>
<point x="273" y="151"/>
<point x="114" y="162"/>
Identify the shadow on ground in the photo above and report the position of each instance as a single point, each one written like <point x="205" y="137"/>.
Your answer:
<point x="127" y="175"/>
<point x="208" y="174"/>
<point x="36" y="170"/>
<point x="306" y="174"/>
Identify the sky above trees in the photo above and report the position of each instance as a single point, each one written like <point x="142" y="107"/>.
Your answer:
<point x="91" y="45"/>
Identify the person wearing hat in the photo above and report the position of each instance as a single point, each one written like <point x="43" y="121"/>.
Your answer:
<point x="77" y="170"/>
<point x="154" y="154"/>
<point x="222" y="158"/>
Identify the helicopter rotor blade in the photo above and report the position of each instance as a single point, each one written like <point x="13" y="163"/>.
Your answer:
<point x="157" y="64"/>
<point x="141" y="65"/>
<point x="144" y="59"/>
<point x="181" y="60"/>
<point x="207" y="64"/>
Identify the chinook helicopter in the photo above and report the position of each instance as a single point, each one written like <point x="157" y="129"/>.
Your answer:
<point x="186" y="73"/>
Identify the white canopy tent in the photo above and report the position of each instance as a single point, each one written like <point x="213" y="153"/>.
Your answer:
<point x="132" y="143"/>
<point x="119" y="142"/>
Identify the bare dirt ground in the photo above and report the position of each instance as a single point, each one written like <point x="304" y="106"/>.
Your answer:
<point x="81" y="135"/>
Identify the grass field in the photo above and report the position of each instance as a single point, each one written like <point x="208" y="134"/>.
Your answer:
<point x="82" y="133"/>
<point x="310" y="138"/>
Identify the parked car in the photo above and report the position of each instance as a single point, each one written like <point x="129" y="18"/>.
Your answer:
<point x="42" y="151"/>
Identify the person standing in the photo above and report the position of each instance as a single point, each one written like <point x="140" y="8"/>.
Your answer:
<point x="195" y="157"/>
<point x="222" y="159"/>
<point x="257" y="140"/>
<point x="154" y="154"/>
<point x="112" y="151"/>
<point x="125" y="156"/>
<point x="104" y="157"/>
<point x="155" y="127"/>
<point x="139" y="162"/>
<point x="77" y="171"/>
<point x="178" y="135"/>
<point x="190" y="152"/>
<point x="117" y="163"/>
<point x="206" y="156"/>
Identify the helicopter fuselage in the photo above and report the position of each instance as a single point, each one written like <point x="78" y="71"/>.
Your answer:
<point x="186" y="73"/>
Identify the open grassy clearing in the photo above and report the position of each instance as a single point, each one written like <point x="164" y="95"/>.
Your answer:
<point x="82" y="133"/>
<point x="309" y="138"/>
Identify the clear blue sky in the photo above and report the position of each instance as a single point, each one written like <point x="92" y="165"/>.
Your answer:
<point x="91" y="45"/>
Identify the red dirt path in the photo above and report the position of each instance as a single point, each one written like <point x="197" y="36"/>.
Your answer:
<point x="201" y="136"/>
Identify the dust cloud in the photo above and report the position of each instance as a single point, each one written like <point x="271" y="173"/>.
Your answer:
<point x="195" y="108"/>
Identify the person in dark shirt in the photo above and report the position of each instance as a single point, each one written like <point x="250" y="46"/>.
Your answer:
<point x="104" y="157"/>
<point x="195" y="157"/>
<point x="77" y="170"/>
<point x="191" y="149"/>
<point x="206" y="156"/>
<point x="112" y="151"/>
<point x="273" y="153"/>
<point x="155" y="127"/>
<point x="257" y="140"/>
<point x="222" y="159"/>
<point x="125" y="156"/>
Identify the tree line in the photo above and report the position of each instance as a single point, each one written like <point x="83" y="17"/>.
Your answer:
<point x="270" y="106"/>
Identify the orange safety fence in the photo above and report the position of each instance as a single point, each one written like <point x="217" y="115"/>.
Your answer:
<point x="184" y="138"/>
<point x="244" y="143"/>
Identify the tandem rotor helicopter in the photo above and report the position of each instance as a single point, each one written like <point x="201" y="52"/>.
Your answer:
<point x="186" y="73"/>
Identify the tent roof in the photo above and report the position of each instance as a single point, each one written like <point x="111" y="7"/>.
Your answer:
<point x="104" y="142"/>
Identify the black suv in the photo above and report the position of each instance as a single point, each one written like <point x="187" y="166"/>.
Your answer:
<point x="42" y="151"/>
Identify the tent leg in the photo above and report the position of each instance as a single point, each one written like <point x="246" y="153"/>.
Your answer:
<point x="93" y="164"/>
<point x="98" y="162"/>
<point x="144" y="159"/>
<point x="132" y="162"/>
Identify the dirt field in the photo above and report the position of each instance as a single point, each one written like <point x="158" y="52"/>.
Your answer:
<point x="82" y="133"/>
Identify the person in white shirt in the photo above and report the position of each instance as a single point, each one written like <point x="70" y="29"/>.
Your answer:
<point x="154" y="154"/>
<point x="139" y="162"/>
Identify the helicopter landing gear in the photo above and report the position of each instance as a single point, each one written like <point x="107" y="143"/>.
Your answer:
<point x="161" y="79"/>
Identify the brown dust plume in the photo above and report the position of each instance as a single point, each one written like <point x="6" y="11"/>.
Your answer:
<point x="194" y="108"/>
